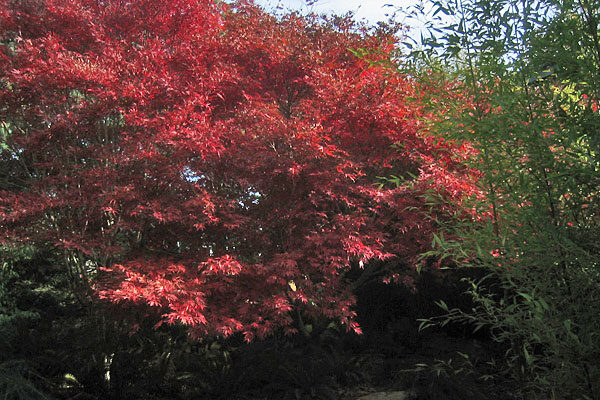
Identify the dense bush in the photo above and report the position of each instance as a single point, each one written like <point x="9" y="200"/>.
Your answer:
<point x="532" y="70"/>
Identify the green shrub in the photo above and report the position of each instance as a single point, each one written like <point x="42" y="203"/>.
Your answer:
<point x="530" y="70"/>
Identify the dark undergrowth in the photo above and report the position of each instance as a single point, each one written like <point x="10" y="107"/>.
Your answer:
<point x="53" y="347"/>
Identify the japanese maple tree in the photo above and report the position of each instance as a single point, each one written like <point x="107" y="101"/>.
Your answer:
<point x="214" y="162"/>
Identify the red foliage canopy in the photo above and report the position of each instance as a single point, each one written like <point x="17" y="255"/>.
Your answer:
<point x="212" y="161"/>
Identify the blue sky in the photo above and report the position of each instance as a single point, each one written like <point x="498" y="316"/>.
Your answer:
<point x="371" y="10"/>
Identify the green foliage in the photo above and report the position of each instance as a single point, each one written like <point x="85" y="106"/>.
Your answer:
<point x="453" y="378"/>
<point x="531" y="71"/>
<point x="12" y="312"/>
<point x="16" y="382"/>
<point x="9" y="310"/>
